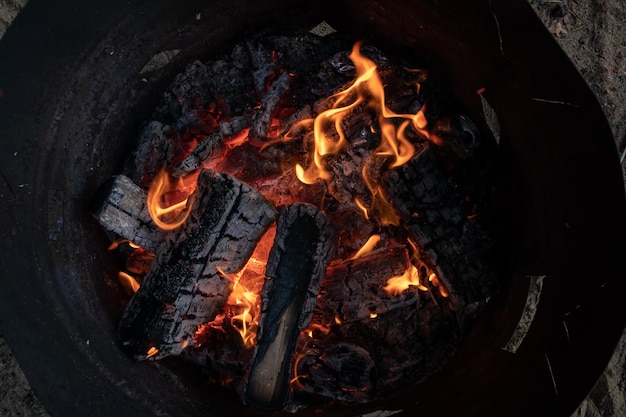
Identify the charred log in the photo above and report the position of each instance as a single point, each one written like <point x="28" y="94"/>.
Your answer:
<point x="437" y="223"/>
<point x="262" y="119"/>
<point x="353" y="290"/>
<point x="304" y="245"/>
<point x="392" y="350"/>
<point x="120" y="207"/>
<point x="186" y="285"/>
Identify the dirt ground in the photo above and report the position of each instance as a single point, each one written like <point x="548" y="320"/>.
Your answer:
<point x="593" y="34"/>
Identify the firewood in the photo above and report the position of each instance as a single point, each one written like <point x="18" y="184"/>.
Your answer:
<point x="438" y="225"/>
<point x="262" y="119"/>
<point x="264" y="66"/>
<point x="203" y="151"/>
<point x="304" y="245"/>
<point x="353" y="289"/>
<point x="154" y="150"/>
<point x="186" y="285"/>
<point x="390" y="352"/>
<point x="344" y="372"/>
<point x="120" y="207"/>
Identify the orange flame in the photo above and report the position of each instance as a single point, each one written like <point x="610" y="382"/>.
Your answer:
<point x="367" y="246"/>
<point x="128" y="282"/>
<point x="247" y="286"/>
<point x="164" y="214"/>
<point x="433" y="279"/>
<point x="151" y="352"/>
<point x="330" y="138"/>
<point x="397" y="284"/>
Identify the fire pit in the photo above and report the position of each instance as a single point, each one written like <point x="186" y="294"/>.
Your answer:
<point x="337" y="248"/>
<point x="534" y="347"/>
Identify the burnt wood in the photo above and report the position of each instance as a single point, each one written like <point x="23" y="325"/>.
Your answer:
<point x="262" y="119"/>
<point x="448" y="243"/>
<point x="353" y="289"/>
<point x="120" y="207"/>
<point x="186" y="285"/>
<point x="304" y="245"/>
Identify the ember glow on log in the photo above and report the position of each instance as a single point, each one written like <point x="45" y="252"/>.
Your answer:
<point x="309" y="223"/>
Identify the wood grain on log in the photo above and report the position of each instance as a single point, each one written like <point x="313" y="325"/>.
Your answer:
<point x="120" y="207"/>
<point x="186" y="285"/>
<point x="304" y="245"/>
<point x="353" y="290"/>
<point x="435" y="219"/>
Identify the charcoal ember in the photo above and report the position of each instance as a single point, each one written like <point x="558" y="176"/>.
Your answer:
<point x="448" y="244"/>
<point x="232" y="81"/>
<point x="305" y="243"/>
<point x="187" y="286"/>
<point x="191" y="87"/>
<point x="355" y="229"/>
<point x="154" y="149"/>
<point x="120" y="207"/>
<point x="297" y="123"/>
<point x="218" y="351"/>
<point x="205" y="148"/>
<point x="244" y="162"/>
<point x="262" y="119"/>
<point x="234" y="125"/>
<point x="405" y="345"/>
<point x="303" y="54"/>
<point x="344" y="372"/>
<point x="263" y="63"/>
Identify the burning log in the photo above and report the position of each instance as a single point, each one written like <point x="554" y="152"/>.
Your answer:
<point x="304" y="245"/>
<point x="120" y="207"/>
<point x="187" y="285"/>
<point x="447" y="242"/>
<point x="353" y="290"/>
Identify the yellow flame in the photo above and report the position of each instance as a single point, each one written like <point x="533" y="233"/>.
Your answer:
<point x="329" y="136"/>
<point x="167" y="217"/>
<point x="443" y="291"/>
<point x="362" y="207"/>
<point x="367" y="246"/>
<point x="117" y="242"/>
<point x="410" y="277"/>
<point x="128" y="281"/>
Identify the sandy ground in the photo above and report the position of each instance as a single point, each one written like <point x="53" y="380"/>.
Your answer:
<point x="593" y="34"/>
